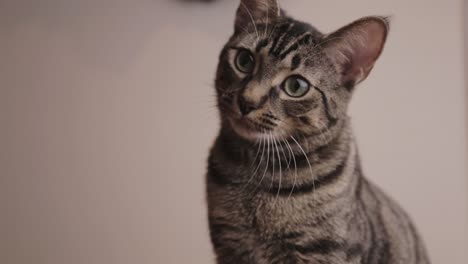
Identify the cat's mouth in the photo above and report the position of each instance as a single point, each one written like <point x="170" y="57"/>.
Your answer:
<point x="253" y="128"/>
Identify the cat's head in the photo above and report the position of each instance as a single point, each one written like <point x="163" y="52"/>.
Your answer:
<point x="279" y="77"/>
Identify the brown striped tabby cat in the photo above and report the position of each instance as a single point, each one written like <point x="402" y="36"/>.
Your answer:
<point x="284" y="179"/>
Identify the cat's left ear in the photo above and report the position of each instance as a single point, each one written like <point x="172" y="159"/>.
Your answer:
<point x="251" y="11"/>
<point x="355" y="48"/>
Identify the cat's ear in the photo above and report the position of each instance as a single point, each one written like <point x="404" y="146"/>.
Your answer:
<point x="251" y="11"/>
<point x="355" y="48"/>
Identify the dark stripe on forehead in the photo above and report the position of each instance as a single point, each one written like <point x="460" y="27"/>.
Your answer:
<point x="279" y="34"/>
<point x="304" y="40"/>
<point x="283" y="41"/>
<point x="296" y="62"/>
<point x="263" y="43"/>
<point x="294" y="32"/>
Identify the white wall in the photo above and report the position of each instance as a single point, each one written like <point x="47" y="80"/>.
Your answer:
<point x="107" y="115"/>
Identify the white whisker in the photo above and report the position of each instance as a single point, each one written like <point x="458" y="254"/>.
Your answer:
<point x="267" y="20"/>
<point x="308" y="162"/>
<point x="266" y="166"/>
<point x="284" y="154"/>
<point x="273" y="162"/>
<point x="271" y="32"/>
<point x="280" y="170"/>
<point x="256" y="155"/>
<point x="252" y="18"/>
<point x="278" y="7"/>
<point x="258" y="165"/>
<point x="295" y="167"/>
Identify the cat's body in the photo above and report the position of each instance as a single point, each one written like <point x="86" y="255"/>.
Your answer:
<point x="284" y="179"/>
<point x="342" y="219"/>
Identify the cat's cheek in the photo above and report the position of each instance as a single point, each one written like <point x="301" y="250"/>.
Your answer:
<point x="287" y="127"/>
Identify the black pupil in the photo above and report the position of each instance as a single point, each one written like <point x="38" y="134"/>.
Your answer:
<point x="245" y="61"/>
<point x="296" y="86"/>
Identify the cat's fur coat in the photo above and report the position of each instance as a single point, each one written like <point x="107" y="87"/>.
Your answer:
<point x="284" y="180"/>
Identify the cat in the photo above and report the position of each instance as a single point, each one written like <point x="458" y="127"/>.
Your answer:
<point x="284" y="181"/>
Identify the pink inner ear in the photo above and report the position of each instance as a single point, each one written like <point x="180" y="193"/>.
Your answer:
<point x="356" y="48"/>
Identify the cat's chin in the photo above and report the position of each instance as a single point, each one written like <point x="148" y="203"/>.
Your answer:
<point x="247" y="130"/>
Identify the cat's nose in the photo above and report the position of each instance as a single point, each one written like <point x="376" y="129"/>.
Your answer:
<point x="246" y="106"/>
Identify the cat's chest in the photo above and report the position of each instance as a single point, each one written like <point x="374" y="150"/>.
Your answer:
<point x="274" y="216"/>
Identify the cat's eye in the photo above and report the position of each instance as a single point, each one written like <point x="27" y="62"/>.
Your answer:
<point x="245" y="62"/>
<point x="296" y="86"/>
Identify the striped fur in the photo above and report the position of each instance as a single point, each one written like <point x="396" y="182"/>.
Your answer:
<point x="284" y="181"/>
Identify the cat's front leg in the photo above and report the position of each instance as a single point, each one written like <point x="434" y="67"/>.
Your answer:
<point x="231" y="252"/>
<point x="232" y="243"/>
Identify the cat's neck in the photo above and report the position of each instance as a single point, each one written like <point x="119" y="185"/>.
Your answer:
<point x="243" y="157"/>
<point x="243" y="151"/>
<point x="237" y="162"/>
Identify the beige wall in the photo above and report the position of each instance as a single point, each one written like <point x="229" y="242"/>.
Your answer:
<point x="465" y="69"/>
<point x="107" y="115"/>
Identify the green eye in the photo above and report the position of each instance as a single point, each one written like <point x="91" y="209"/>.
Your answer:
<point x="245" y="61"/>
<point x="296" y="86"/>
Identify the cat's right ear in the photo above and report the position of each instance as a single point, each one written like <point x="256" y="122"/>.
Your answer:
<point x="252" y="11"/>
<point x="355" y="48"/>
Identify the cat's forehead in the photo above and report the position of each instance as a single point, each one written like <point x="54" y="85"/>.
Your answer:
<point x="279" y="38"/>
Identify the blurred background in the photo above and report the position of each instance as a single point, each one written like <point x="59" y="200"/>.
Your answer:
<point x="107" y="112"/>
